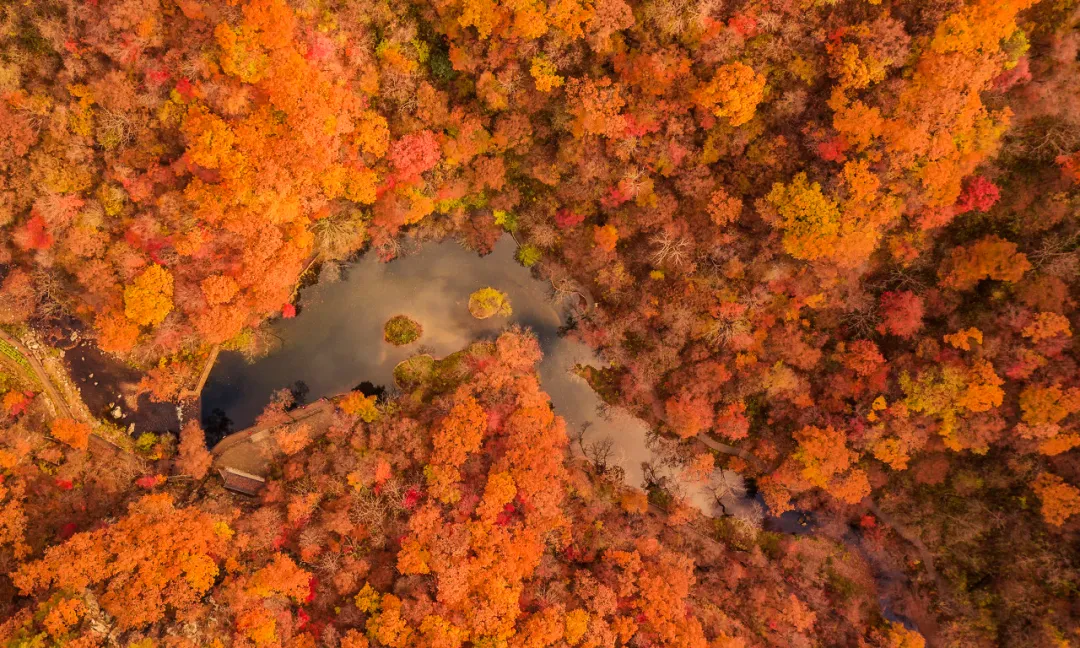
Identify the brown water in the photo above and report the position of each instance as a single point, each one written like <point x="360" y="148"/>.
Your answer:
<point x="336" y="343"/>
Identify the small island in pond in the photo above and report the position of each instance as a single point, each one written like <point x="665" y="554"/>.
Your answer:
<point x="488" y="302"/>
<point x="401" y="330"/>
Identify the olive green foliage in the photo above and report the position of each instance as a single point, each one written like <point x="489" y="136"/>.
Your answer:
<point x="488" y="302"/>
<point x="528" y="255"/>
<point x="401" y="330"/>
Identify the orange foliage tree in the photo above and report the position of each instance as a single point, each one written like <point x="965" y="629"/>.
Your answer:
<point x="1060" y="501"/>
<point x="72" y="433"/>
<point x="155" y="557"/>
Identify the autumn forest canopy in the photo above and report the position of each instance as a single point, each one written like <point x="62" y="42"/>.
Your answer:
<point x="831" y="246"/>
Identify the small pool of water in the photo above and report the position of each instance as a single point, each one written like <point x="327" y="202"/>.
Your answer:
<point x="336" y="343"/>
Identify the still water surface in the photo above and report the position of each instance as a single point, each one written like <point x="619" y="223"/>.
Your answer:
<point x="336" y="343"/>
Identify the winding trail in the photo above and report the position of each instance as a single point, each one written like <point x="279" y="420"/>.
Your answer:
<point x="909" y="535"/>
<point x="731" y="450"/>
<point x="59" y="404"/>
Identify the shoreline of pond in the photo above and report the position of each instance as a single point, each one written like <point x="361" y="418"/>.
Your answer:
<point x="336" y="343"/>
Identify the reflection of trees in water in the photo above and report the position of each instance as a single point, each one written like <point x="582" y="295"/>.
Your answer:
<point x="565" y="329"/>
<point x="751" y="513"/>
<point x="661" y="489"/>
<point x="666" y="452"/>
<point x="726" y="491"/>
<point x="726" y="484"/>
<point x="604" y="410"/>
<point x="261" y="343"/>
<point x="368" y="388"/>
<point x="217" y="426"/>
<point x="729" y="490"/>
<point x="652" y="478"/>
<point x="299" y="391"/>
<point x="606" y="458"/>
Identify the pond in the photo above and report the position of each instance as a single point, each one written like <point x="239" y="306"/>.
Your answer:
<point x="336" y="343"/>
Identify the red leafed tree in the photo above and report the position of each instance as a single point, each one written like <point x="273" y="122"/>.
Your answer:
<point x="901" y="313"/>
<point x="732" y="423"/>
<point x="1070" y="165"/>
<point x="979" y="194"/>
<point x="35" y="235"/>
<point x="566" y="218"/>
<point x="414" y="153"/>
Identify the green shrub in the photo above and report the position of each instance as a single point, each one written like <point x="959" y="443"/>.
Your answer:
<point x="528" y="255"/>
<point x="401" y="330"/>
<point x="488" y="302"/>
<point x="413" y="371"/>
<point x="506" y="220"/>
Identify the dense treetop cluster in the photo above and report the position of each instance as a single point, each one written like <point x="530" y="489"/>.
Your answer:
<point x="449" y="518"/>
<point x="840" y="234"/>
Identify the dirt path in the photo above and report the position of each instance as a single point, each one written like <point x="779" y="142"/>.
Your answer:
<point x="60" y="406"/>
<point x="909" y="535"/>
<point x="731" y="450"/>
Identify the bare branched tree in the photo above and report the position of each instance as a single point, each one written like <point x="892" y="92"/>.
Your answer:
<point x="563" y="289"/>
<point x="862" y="323"/>
<point x="1057" y="253"/>
<point x="719" y="331"/>
<point x="53" y="299"/>
<point x="601" y="454"/>
<point x="726" y="486"/>
<point x="1044" y="139"/>
<point x="114" y="129"/>
<point x="372" y="510"/>
<point x="751" y="516"/>
<point x="652" y="478"/>
<point x="339" y="235"/>
<point x="329" y="563"/>
<point x="578" y="436"/>
<point x="670" y="249"/>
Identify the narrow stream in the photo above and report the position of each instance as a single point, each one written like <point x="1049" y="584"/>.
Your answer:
<point x="336" y="343"/>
